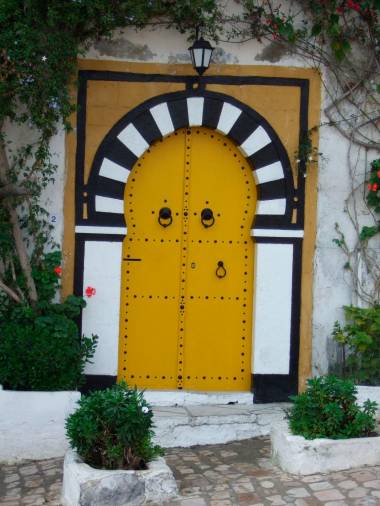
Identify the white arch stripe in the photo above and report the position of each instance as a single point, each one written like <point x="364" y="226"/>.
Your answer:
<point x="108" y="205"/>
<point x="161" y="116"/>
<point x="133" y="140"/>
<point x="271" y="172"/>
<point x="257" y="140"/>
<point x="276" y="232"/>
<point x="113" y="170"/>
<point x="275" y="207"/>
<point x="228" y="118"/>
<point x="96" y="229"/>
<point x="195" y="110"/>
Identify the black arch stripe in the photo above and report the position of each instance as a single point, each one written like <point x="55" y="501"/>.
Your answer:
<point x="269" y="221"/>
<point x="106" y="187"/>
<point x="106" y="219"/>
<point x="147" y="127"/>
<point x="272" y="190"/>
<point x="243" y="128"/>
<point x="265" y="156"/>
<point x="211" y="112"/>
<point x="118" y="153"/>
<point x="178" y="113"/>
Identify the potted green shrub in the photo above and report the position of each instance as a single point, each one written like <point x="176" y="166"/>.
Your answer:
<point x="42" y="360"/>
<point x="359" y="343"/>
<point x="327" y="430"/>
<point x="113" y="458"/>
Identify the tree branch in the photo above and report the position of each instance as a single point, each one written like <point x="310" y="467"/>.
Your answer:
<point x="13" y="295"/>
<point x="12" y="190"/>
<point x="17" y="233"/>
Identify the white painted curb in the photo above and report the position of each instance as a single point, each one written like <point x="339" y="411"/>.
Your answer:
<point x="297" y="455"/>
<point x="85" y="486"/>
<point x="32" y="424"/>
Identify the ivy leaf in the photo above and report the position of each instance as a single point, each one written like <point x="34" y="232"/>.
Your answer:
<point x="316" y="30"/>
<point x="367" y="232"/>
<point x="340" y="48"/>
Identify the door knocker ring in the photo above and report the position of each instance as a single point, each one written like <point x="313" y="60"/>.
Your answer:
<point x="207" y="217"/>
<point x="221" y="270"/>
<point x="165" y="217"/>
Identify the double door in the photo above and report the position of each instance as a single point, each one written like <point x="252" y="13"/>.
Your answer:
<point x="188" y="263"/>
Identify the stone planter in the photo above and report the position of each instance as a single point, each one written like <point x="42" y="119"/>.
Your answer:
<point x="32" y="424"/>
<point x="297" y="455"/>
<point x="85" y="486"/>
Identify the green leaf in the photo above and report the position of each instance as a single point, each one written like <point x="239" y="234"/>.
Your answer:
<point x="367" y="232"/>
<point x="316" y="29"/>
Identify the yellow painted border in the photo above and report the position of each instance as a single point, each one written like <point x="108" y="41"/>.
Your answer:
<point x="310" y="190"/>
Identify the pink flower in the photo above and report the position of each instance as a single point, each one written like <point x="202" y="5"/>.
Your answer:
<point x="90" y="291"/>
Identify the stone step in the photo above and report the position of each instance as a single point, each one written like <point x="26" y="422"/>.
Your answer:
<point x="186" y="426"/>
<point x="186" y="398"/>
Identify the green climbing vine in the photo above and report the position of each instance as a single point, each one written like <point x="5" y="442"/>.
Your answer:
<point x="40" y="41"/>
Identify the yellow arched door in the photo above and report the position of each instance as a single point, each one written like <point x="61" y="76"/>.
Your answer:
<point x="187" y="273"/>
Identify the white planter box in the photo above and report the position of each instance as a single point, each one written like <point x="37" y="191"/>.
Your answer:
<point x="297" y="455"/>
<point x="85" y="486"/>
<point x="32" y="424"/>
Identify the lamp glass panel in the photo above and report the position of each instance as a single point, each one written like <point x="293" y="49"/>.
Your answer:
<point x="207" y="57"/>
<point x="198" y="57"/>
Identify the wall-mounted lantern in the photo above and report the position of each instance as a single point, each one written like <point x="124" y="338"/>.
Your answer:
<point x="200" y="53"/>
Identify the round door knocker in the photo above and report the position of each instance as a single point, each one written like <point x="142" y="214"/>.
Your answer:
<point x="207" y="217"/>
<point x="165" y="217"/>
<point x="221" y="270"/>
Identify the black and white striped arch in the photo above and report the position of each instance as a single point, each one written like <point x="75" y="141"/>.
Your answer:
<point x="127" y="141"/>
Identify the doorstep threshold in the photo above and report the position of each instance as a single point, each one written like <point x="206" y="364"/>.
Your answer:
<point x="193" y="398"/>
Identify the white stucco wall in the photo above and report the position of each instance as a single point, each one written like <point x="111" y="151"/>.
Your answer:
<point x="331" y="290"/>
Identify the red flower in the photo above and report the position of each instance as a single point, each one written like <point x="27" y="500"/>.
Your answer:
<point x="378" y="174"/>
<point x="58" y="270"/>
<point x="90" y="291"/>
<point x="369" y="186"/>
<point x="339" y="10"/>
<point x="353" y="5"/>
<point x="374" y="187"/>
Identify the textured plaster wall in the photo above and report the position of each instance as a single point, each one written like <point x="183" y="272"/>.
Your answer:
<point x="331" y="290"/>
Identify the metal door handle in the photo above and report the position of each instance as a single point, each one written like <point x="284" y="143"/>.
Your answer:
<point x="221" y="270"/>
<point x="165" y="217"/>
<point x="207" y="217"/>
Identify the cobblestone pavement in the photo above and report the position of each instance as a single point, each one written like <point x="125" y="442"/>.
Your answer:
<point x="238" y="473"/>
<point x="31" y="483"/>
